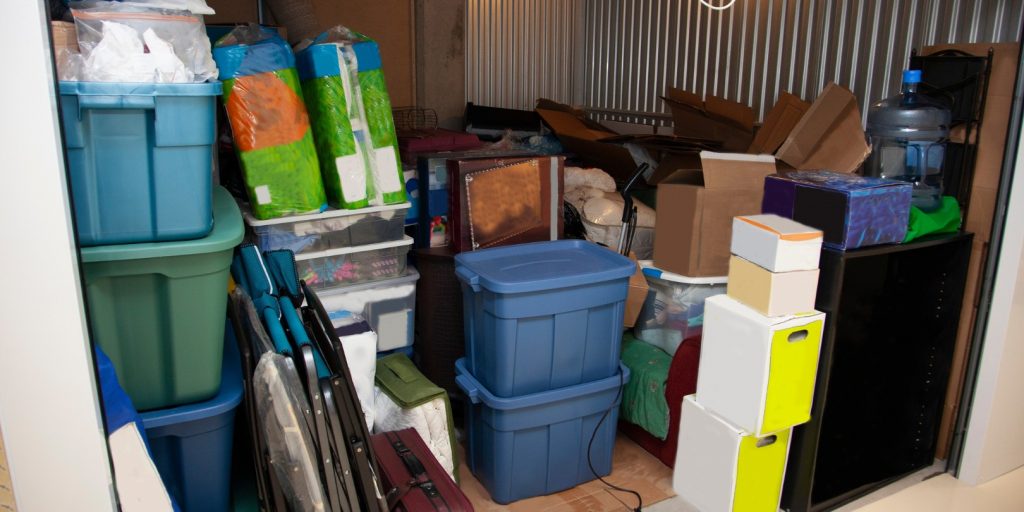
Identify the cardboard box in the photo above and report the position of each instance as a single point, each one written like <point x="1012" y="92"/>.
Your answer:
<point x="715" y="118"/>
<point x="636" y="296"/>
<point x="778" y="124"/>
<point x="772" y="293"/>
<point x="852" y="211"/>
<point x="829" y="135"/>
<point x="776" y="243"/>
<point x="758" y="372"/>
<point x="64" y="36"/>
<point x="719" y="467"/>
<point x="696" y="206"/>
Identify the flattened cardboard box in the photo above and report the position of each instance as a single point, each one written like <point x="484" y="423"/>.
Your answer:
<point x="778" y="124"/>
<point x="696" y="206"/>
<point x="715" y="118"/>
<point x="829" y="135"/>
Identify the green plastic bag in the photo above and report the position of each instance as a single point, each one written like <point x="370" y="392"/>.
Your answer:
<point x="377" y="105"/>
<point x="946" y="219"/>
<point x="643" y="398"/>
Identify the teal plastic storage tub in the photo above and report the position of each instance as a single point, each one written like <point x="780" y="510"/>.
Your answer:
<point x="537" y="444"/>
<point x="140" y="159"/>
<point x="544" y="315"/>
<point x="157" y="310"/>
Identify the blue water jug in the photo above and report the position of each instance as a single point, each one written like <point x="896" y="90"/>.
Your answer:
<point x="908" y="135"/>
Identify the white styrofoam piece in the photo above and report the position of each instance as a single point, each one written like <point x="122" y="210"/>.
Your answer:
<point x="776" y="243"/>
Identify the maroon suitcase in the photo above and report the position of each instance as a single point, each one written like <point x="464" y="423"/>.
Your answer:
<point x="415" y="480"/>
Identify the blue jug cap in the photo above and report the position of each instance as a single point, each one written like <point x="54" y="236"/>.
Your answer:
<point x="911" y="76"/>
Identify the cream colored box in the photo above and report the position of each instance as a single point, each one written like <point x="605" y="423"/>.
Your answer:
<point x="772" y="293"/>
<point x="719" y="467"/>
<point x="758" y="372"/>
<point x="776" y="243"/>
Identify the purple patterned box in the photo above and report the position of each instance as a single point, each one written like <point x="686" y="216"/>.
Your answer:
<point x="852" y="211"/>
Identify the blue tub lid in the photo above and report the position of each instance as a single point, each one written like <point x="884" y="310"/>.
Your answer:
<point x="477" y="392"/>
<point x="227" y="233"/>
<point x="213" y="88"/>
<point x="541" y="266"/>
<point x="229" y="396"/>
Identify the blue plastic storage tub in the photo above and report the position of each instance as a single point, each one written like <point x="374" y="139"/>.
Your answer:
<point x="537" y="444"/>
<point x="191" y="444"/>
<point x="544" y="315"/>
<point x="140" y="158"/>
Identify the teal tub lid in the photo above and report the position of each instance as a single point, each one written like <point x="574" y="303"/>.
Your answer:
<point x="541" y="266"/>
<point x="227" y="233"/>
<point x="140" y="89"/>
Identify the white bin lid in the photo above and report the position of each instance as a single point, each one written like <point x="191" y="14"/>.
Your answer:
<point x="650" y="270"/>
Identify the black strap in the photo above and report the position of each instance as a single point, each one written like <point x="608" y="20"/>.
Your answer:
<point x="419" y="478"/>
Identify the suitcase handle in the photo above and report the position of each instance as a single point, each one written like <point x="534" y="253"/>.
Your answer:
<point x="469" y="277"/>
<point x="469" y="387"/>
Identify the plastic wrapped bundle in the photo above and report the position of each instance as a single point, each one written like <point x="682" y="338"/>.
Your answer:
<point x="328" y="73"/>
<point x="269" y="122"/>
<point x="384" y="162"/>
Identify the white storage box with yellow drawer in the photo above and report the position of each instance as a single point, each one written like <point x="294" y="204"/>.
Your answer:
<point x="721" y="468"/>
<point x="758" y="372"/>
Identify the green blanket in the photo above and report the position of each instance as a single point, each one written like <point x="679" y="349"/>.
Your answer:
<point x="643" y="401"/>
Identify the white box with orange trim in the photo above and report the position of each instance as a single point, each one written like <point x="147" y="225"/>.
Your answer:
<point x="776" y="243"/>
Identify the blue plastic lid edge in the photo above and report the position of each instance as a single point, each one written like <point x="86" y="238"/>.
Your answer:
<point x="543" y="397"/>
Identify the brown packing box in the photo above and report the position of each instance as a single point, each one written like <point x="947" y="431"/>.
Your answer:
<point x="579" y="135"/>
<point x="777" y="125"/>
<point x="696" y="205"/>
<point x="829" y="135"/>
<point x="715" y="118"/>
<point x="636" y="296"/>
<point x="64" y="36"/>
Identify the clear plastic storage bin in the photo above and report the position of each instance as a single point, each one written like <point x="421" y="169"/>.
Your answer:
<point x="333" y="229"/>
<point x="351" y="265"/>
<point x="389" y="307"/>
<point x="674" y="309"/>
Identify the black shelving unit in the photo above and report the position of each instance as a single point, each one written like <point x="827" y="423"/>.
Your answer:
<point x="892" y="316"/>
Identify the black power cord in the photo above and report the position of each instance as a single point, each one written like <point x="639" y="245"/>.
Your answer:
<point x="590" y="462"/>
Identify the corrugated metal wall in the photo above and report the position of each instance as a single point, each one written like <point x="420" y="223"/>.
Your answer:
<point x="521" y="50"/>
<point x="632" y="49"/>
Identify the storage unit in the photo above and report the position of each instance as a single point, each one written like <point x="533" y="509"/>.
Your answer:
<point x="885" y="362"/>
<point x="352" y="265"/>
<point x="675" y="309"/>
<point x="389" y="306"/>
<point x="537" y="444"/>
<point x="191" y="444"/>
<point x="333" y="229"/>
<point x="139" y="158"/>
<point x="757" y="372"/>
<point x="772" y="293"/>
<point x="720" y="467"/>
<point x="157" y="309"/>
<point x="544" y="315"/>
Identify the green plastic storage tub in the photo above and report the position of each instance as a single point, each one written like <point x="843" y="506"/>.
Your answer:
<point x="158" y="310"/>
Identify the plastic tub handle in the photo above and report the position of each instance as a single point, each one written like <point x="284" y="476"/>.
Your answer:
<point x="469" y="277"/>
<point x="472" y="392"/>
<point x="125" y="102"/>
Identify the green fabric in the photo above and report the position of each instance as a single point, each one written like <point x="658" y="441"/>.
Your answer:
<point x="290" y="172"/>
<point x="944" y="220"/>
<point x="399" y="378"/>
<point x="379" y="119"/>
<point x="332" y="132"/>
<point x="643" y="401"/>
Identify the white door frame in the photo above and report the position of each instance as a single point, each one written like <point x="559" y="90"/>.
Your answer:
<point x="49" y="413"/>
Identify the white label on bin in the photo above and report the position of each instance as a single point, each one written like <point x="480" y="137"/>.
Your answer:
<point x="352" y="173"/>
<point x="387" y="169"/>
<point x="262" y="194"/>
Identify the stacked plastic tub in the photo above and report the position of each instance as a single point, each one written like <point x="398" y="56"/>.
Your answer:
<point x="157" y="240"/>
<point x="542" y="375"/>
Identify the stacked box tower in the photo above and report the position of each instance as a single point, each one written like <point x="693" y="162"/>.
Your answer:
<point x="758" y="363"/>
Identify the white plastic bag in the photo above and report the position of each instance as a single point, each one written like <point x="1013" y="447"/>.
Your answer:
<point x="179" y="31"/>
